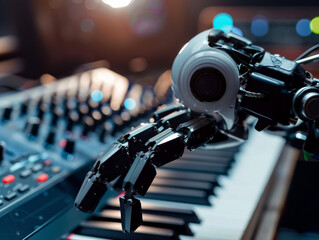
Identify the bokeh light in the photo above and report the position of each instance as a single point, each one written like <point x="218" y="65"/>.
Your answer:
<point x="148" y="17"/>
<point x="138" y="64"/>
<point x="303" y="27"/>
<point x="223" y="21"/>
<point x="237" y="31"/>
<point x="117" y="3"/>
<point x="97" y="96"/>
<point x="259" y="26"/>
<point x="129" y="103"/>
<point x="87" y="25"/>
<point x="314" y="25"/>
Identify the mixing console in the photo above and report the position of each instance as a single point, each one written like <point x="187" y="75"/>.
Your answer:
<point x="51" y="134"/>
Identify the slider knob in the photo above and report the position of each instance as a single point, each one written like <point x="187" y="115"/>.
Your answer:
<point x="50" y="138"/>
<point x="88" y="125"/>
<point x="57" y="113"/>
<point x="33" y="126"/>
<point x="72" y="120"/>
<point x="2" y="151"/>
<point x="55" y="101"/>
<point x="84" y="109"/>
<point x="24" y="107"/>
<point x="69" y="146"/>
<point x="7" y="113"/>
<point x="70" y="105"/>
<point x="42" y="110"/>
<point x="107" y="129"/>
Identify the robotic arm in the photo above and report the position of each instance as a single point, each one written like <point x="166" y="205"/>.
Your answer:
<point x="220" y="79"/>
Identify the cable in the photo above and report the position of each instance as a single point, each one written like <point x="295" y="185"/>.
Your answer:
<point x="250" y="94"/>
<point x="307" y="52"/>
<point x="308" y="59"/>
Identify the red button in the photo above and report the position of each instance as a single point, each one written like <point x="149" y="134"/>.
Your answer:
<point x="62" y="143"/>
<point x="42" y="177"/>
<point x="8" y="179"/>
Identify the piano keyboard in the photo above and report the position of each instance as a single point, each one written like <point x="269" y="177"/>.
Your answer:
<point x="204" y="195"/>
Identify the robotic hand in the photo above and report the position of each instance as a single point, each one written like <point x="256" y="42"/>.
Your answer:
<point x="220" y="79"/>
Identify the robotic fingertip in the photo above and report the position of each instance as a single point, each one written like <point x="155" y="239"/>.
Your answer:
<point x="131" y="214"/>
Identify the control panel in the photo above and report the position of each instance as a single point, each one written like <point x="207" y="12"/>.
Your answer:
<point x="52" y="133"/>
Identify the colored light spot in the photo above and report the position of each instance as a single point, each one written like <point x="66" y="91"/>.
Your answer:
<point x="138" y="64"/>
<point x="303" y="27"/>
<point x="307" y="156"/>
<point x="62" y="143"/>
<point x="223" y="21"/>
<point x="314" y="25"/>
<point x="237" y="31"/>
<point x="129" y="103"/>
<point x="96" y="95"/>
<point x="259" y="26"/>
<point x="47" y="163"/>
<point x="121" y="194"/>
<point x="87" y="25"/>
<point x="148" y="17"/>
<point x="70" y="237"/>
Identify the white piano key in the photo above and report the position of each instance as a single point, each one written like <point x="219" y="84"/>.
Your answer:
<point x="244" y="186"/>
<point x="74" y="236"/>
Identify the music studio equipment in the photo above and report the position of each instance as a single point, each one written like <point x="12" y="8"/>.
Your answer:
<point x="48" y="146"/>
<point x="49" y="134"/>
<point x="43" y="166"/>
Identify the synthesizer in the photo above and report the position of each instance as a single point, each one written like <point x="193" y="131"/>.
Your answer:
<point x="51" y="135"/>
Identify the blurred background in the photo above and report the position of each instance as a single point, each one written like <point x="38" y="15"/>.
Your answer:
<point x="136" y="36"/>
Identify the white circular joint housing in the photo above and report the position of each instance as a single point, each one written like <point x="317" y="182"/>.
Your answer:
<point x="197" y="56"/>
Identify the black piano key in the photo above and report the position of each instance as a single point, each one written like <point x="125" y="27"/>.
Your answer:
<point x="210" y="159"/>
<point x="223" y="153"/>
<point x="204" y="164"/>
<point x="188" y="215"/>
<point x="217" y="152"/>
<point x="196" y="185"/>
<point x="192" y="176"/>
<point x="178" y="195"/>
<point x="152" y="220"/>
<point x="197" y="167"/>
<point x="113" y="230"/>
